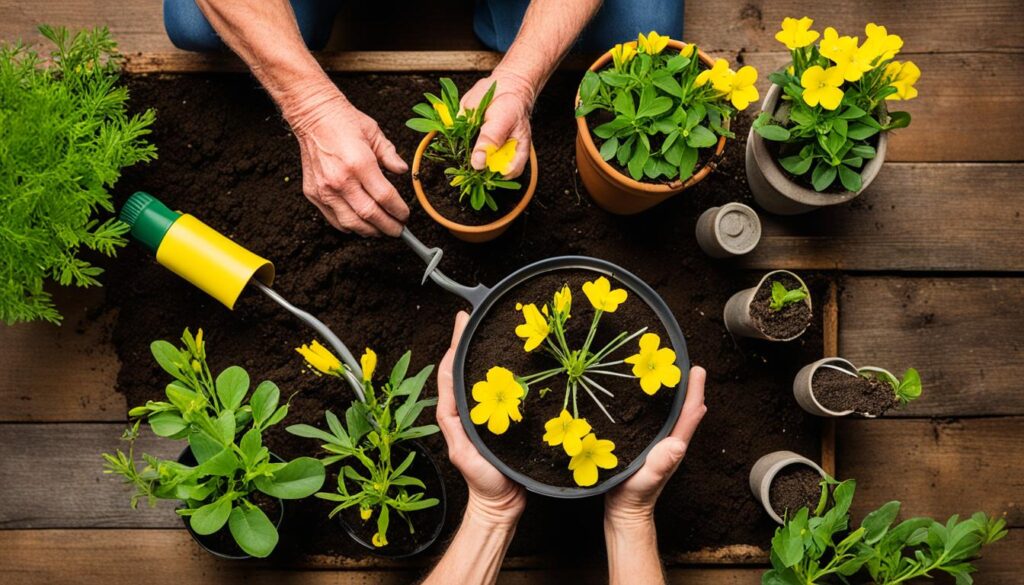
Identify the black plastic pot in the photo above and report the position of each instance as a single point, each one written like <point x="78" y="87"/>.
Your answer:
<point x="384" y="552"/>
<point x="483" y="299"/>
<point x="187" y="458"/>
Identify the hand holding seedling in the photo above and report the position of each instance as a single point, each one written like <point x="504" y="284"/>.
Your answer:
<point x="507" y="118"/>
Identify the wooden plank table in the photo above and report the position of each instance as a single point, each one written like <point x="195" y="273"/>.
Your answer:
<point x="930" y="259"/>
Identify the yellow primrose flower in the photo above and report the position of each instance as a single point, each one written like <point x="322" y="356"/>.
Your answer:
<point x="320" y="358"/>
<point x="886" y="44"/>
<point x="688" y="50"/>
<point x="654" y="365"/>
<point x="445" y="115"/>
<point x="499" y="160"/>
<point x="379" y="540"/>
<point x="601" y="295"/>
<point x="563" y="301"/>
<point x="839" y="50"/>
<point x="365" y="513"/>
<point x="566" y="431"/>
<point x="741" y="88"/>
<point x="498" y="400"/>
<point x="653" y="43"/>
<point x="368" y="363"/>
<point x="623" y="53"/>
<point x="796" y="33"/>
<point x="902" y="76"/>
<point x="822" y="86"/>
<point x="535" y="330"/>
<point x="719" y="75"/>
<point x="593" y="453"/>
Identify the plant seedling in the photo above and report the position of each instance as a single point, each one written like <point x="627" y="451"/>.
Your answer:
<point x="906" y="390"/>
<point x="781" y="296"/>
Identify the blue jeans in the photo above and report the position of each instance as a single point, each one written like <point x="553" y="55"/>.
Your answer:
<point x="188" y="28"/>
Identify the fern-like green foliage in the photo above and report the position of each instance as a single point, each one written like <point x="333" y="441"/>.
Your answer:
<point x="65" y="135"/>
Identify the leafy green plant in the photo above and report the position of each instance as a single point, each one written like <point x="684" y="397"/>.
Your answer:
<point x="453" y="145"/>
<point x="819" y="547"/>
<point x="211" y="414"/>
<point x="664" y="107"/>
<point x="906" y="389"/>
<point x="65" y="135"/>
<point x="832" y="103"/>
<point x="781" y="296"/>
<point x="373" y="435"/>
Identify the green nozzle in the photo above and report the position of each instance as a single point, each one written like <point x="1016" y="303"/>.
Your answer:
<point x="149" y="219"/>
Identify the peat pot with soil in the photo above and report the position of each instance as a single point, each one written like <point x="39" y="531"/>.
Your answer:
<point x="834" y="387"/>
<point x="474" y="205"/>
<point x="777" y="309"/>
<point x="783" y="482"/>
<point x="652" y="118"/>
<point x="821" y="137"/>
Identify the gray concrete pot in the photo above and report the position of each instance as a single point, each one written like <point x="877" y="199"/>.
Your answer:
<point x="764" y="471"/>
<point x="803" y="390"/>
<point x="730" y="230"/>
<point x="737" y="311"/>
<point x="772" y="188"/>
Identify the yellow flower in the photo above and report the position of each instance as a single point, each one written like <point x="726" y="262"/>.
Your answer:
<point x="535" y="330"/>
<point x="499" y="160"/>
<point x="593" y="453"/>
<point x="822" y="86"/>
<point x="446" y="116"/>
<point x="842" y="51"/>
<point x="654" y="365"/>
<point x="719" y="75"/>
<point x="623" y="53"/>
<point x="457" y="180"/>
<point x="653" y="43"/>
<point x="601" y="295"/>
<point x="563" y="301"/>
<point x="885" y="44"/>
<point x="741" y="88"/>
<point x="368" y="363"/>
<point x="796" y="33"/>
<point x="365" y="513"/>
<point x="199" y="341"/>
<point x="566" y="431"/>
<point x="902" y="76"/>
<point x="688" y="50"/>
<point x="320" y="358"/>
<point x="379" y="540"/>
<point x="498" y="400"/>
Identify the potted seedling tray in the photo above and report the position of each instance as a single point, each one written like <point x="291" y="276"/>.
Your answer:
<point x="370" y="292"/>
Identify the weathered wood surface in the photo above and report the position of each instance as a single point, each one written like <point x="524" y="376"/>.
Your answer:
<point x="962" y="334"/>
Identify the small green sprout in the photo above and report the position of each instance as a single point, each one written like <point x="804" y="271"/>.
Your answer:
<point x="906" y="390"/>
<point x="781" y="296"/>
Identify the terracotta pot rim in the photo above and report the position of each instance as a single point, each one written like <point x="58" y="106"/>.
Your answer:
<point x="644" y="189"/>
<point x="495" y="225"/>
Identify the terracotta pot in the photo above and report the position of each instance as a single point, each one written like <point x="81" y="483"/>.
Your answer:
<point x="803" y="389"/>
<point x="764" y="471"/>
<point x="472" y="233"/>
<point x="619" y="193"/>
<point x="737" y="310"/>
<point x="776" y="192"/>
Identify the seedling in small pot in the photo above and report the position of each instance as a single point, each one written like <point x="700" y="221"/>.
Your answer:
<point x="777" y="309"/>
<point x="835" y="387"/>
<point x="226" y="472"/>
<point x="378" y="436"/>
<point x="783" y="482"/>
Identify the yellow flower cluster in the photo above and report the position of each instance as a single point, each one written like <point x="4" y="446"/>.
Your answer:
<point x="537" y="321"/>
<point x="587" y="452"/>
<point x="652" y="43"/>
<point x="737" y="86"/>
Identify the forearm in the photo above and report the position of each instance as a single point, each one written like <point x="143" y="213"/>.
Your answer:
<point x="475" y="555"/>
<point x="550" y="27"/>
<point x="632" y="552"/>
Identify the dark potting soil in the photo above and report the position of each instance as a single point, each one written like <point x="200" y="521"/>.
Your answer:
<point x="841" y="392"/>
<point x="228" y="158"/>
<point x="794" y="487"/>
<point x="638" y="417"/>
<point x="784" y="323"/>
<point x="445" y="199"/>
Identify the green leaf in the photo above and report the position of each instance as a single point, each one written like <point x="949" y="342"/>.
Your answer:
<point x="687" y="162"/>
<point x="910" y="387"/>
<point x="823" y="176"/>
<point x="669" y="85"/>
<point x="863" y="150"/>
<point x="264" y="400"/>
<point x="225" y="424"/>
<point x="311" y="432"/>
<point x="637" y="162"/>
<point x="223" y="464"/>
<point x="251" y="445"/>
<point x="877" y="523"/>
<point x="253" y="531"/>
<point x="624" y="105"/>
<point x="788" y="543"/>
<point x="203" y="446"/>
<point x="357" y="422"/>
<point x="417" y="432"/>
<point x="298" y="479"/>
<point x="861" y="131"/>
<point x="407" y="414"/>
<point x="796" y="164"/>
<point x="413" y="386"/>
<point x="167" y="424"/>
<point x="849" y="178"/>
<point x="398" y="372"/>
<point x="852" y="113"/>
<point x="167" y="356"/>
<point x="701" y="137"/>
<point x="423" y="125"/>
<point x="232" y="385"/>
<point x="336" y="427"/>
<point x="898" y="120"/>
<point x="211" y="517"/>
<point x="609" y="147"/>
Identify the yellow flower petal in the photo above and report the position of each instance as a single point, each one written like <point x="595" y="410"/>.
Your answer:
<point x="796" y="34"/>
<point x="499" y="160"/>
<point x="601" y="296"/>
<point x="320" y="358"/>
<point x="652" y="43"/>
<point x="379" y="540"/>
<point x="444" y="114"/>
<point x="536" y="328"/>
<point x="368" y="363"/>
<point x="498" y="400"/>
<point x="585" y="475"/>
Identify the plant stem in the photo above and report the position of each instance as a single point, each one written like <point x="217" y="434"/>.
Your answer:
<point x="598" y="386"/>
<point x="609" y="373"/>
<point x="614" y="345"/>
<point x="601" y="406"/>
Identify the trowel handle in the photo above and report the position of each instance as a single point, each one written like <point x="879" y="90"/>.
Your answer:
<point x="432" y="257"/>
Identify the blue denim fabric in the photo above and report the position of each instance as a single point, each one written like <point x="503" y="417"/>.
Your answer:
<point x="496" y="22"/>
<point x="188" y="29"/>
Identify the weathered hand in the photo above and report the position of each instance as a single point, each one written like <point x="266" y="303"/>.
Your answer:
<point x="508" y="116"/>
<point x="342" y="154"/>
<point x="492" y="495"/>
<point x="634" y="500"/>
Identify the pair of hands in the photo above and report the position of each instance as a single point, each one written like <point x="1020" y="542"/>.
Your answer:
<point x="498" y="499"/>
<point x="344" y="151"/>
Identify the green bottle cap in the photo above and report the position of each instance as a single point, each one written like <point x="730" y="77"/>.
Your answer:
<point x="149" y="219"/>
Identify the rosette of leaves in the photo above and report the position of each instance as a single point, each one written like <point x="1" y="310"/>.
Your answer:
<point x="223" y="425"/>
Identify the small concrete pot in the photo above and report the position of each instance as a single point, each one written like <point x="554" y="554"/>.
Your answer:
<point x="737" y="311"/>
<point x="730" y="230"/>
<point x="803" y="389"/>
<point x="764" y="471"/>
<point x="776" y="192"/>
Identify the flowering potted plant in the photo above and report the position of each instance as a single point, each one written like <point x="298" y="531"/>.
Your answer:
<point x="834" y="387"/>
<point x="475" y="205"/>
<point x="387" y="475"/>
<point x="570" y="380"/>
<point x="225" y="476"/>
<point x="777" y="309"/>
<point x="825" y="117"/>
<point x="660" y="119"/>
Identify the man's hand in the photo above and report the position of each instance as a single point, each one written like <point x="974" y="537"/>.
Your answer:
<point x="342" y="153"/>
<point x="508" y="116"/>
<point x="492" y="496"/>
